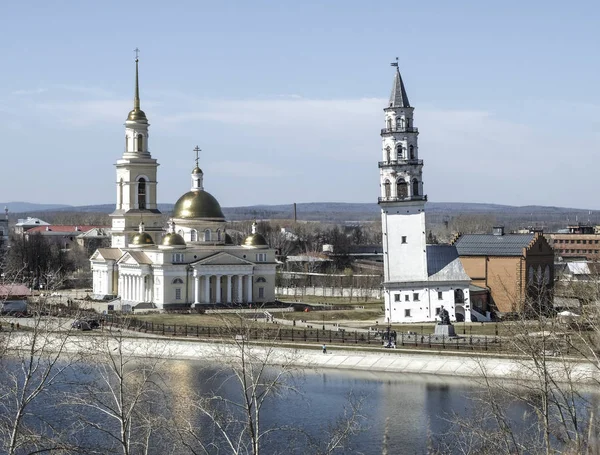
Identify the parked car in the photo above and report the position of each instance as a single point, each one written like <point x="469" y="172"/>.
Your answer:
<point x="93" y="323"/>
<point x="80" y="324"/>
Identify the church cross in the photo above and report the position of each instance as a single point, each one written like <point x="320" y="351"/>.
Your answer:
<point x="197" y="150"/>
<point x="137" y="53"/>
<point x="395" y="63"/>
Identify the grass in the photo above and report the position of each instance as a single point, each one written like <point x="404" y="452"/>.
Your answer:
<point x="333" y="315"/>
<point x="206" y="320"/>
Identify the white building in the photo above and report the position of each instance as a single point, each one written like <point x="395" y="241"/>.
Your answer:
<point x="195" y="262"/>
<point x="418" y="279"/>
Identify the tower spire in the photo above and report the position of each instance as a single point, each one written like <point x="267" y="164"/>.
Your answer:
<point x="136" y="99"/>
<point x="137" y="115"/>
<point x="398" y="97"/>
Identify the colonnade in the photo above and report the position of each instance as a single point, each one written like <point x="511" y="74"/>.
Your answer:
<point x="222" y="288"/>
<point x="133" y="288"/>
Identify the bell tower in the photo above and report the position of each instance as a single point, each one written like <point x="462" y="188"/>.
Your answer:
<point x="136" y="179"/>
<point x="402" y="200"/>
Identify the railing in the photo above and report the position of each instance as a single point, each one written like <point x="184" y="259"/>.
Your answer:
<point x="406" y="129"/>
<point x="400" y="162"/>
<point x="401" y="199"/>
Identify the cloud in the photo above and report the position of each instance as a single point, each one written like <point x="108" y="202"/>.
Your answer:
<point x="25" y="92"/>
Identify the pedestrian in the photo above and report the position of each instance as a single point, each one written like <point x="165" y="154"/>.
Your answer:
<point x="324" y="349"/>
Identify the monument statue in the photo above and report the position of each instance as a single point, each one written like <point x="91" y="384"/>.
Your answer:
<point x="444" y="327"/>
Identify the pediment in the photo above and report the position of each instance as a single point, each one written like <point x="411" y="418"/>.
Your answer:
<point x="106" y="254"/>
<point x="134" y="258"/>
<point x="222" y="258"/>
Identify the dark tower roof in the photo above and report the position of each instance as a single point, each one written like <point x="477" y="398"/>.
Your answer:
<point x="398" y="98"/>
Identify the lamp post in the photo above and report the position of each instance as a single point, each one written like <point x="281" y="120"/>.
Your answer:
<point x="323" y="322"/>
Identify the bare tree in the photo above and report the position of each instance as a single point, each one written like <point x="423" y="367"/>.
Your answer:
<point x="261" y="373"/>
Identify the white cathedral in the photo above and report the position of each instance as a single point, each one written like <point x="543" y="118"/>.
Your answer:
<point x="418" y="278"/>
<point x="194" y="263"/>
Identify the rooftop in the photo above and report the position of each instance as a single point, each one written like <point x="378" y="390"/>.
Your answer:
<point x="493" y="245"/>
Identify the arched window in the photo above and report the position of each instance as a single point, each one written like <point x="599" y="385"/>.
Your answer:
<point x="547" y="275"/>
<point x="218" y="235"/>
<point x="177" y="281"/>
<point x="411" y="151"/>
<point x="415" y="187"/>
<point x="121" y="194"/>
<point x="402" y="188"/>
<point x="207" y="235"/>
<point x="459" y="296"/>
<point x="140" y="143"/>
<point x="387" y="188"/>
<point x="125" y="142"/>
<point x="193" y="235"/>
<point x="539" y="274"/>
<point x="142" y="193"/>
<point x="260" y="279"/>
<point x="531" y="274"/>
<point x="389" y="124"/>
<point x="399" y="122"/>
<point x="399" y="151"/>
<point x="387" y="153"/>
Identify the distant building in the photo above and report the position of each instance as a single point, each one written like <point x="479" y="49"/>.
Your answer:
<point x="514" y="267"/>
<point x="576" y="242"/>
<point x="4" y="234"/>
<point x="24" y="224"/>
<point x="64" y="235"/>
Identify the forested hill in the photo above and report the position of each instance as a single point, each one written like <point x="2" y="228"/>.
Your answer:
<point x="438" y="212"/>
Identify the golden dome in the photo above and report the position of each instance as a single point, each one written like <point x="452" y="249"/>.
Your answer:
<point x="173" y="239"/>
<point x="255" y="240"/>
<point x="137" y="115"/>
<point x="197" y="170"/>
<point x="142" y="239"/>
<point x="198" y="204"/>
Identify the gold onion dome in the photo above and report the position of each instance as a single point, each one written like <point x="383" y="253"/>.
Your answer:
<point x="142" y="239"/>
<point x="198" y="204"/>
<point x="173" y="239"/>
<point x="137" y="115"/>
<point x="255" y="240"/>
<point x="197" y="170"/>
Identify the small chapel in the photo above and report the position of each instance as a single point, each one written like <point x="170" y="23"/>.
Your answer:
<point x="190" y="263"/>
<point x="420" y="280"/>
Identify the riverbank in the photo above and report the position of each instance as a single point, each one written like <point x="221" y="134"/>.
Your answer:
<point x="438" y="363"/>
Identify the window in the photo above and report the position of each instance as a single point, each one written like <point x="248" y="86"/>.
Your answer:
<point x="193" y="235"/>
<point x="142" y="193"/>
<point x="415" y="296"/>
<point x="125" y="143"/>
<point x="584" y="241"/>
<point x="407" y="313"/>
<point x="140" y="143"/>
<point x="261" y="293"/>
<point x="437" y="311"/>
<point x="396" y="297"/>
<point x="402" y="188"/>
<point x="387" y="154"/>
<point x="218" y="235"/>
<point x="407" y="298"/>
<point x="207" y="235"/>
<point x="260" y="279"/>
<point x="178" y="294"/>
<point x="177" y="281"/>
<point x="415" y="187"/>
<point x="121" y="193"/>
<point x="386" y="188"/>
<point x="178" y="257"/>
<point x="261" y="257"/>
<point x="411" y="151"/>
<point x="403" y="239"/>
<point x="440" y="295"/>
<point x="399" y="152"/>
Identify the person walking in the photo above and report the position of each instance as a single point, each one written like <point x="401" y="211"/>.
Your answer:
<point x="324" y="349"/>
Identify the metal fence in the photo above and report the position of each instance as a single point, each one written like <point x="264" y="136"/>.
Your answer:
<point x="308" y="335"/>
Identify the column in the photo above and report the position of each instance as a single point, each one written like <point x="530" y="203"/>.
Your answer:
<point x="143" y="288"/>
<point x="229" y="300"/>
<point x="218" y="288"/>
<point x="207" y="289"/>
<point x="249" y="287"/>
<point x="240" y="294"/>
<point x="196" y="288"/>
<point x="127" y="288"/>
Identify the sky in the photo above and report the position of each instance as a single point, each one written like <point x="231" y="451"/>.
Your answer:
<point x="286" y="98"/>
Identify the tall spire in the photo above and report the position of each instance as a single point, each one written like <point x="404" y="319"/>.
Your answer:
<point x="136" y="99"/>
<point x="137" y="115"/>
<point x="398" y="97"/>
